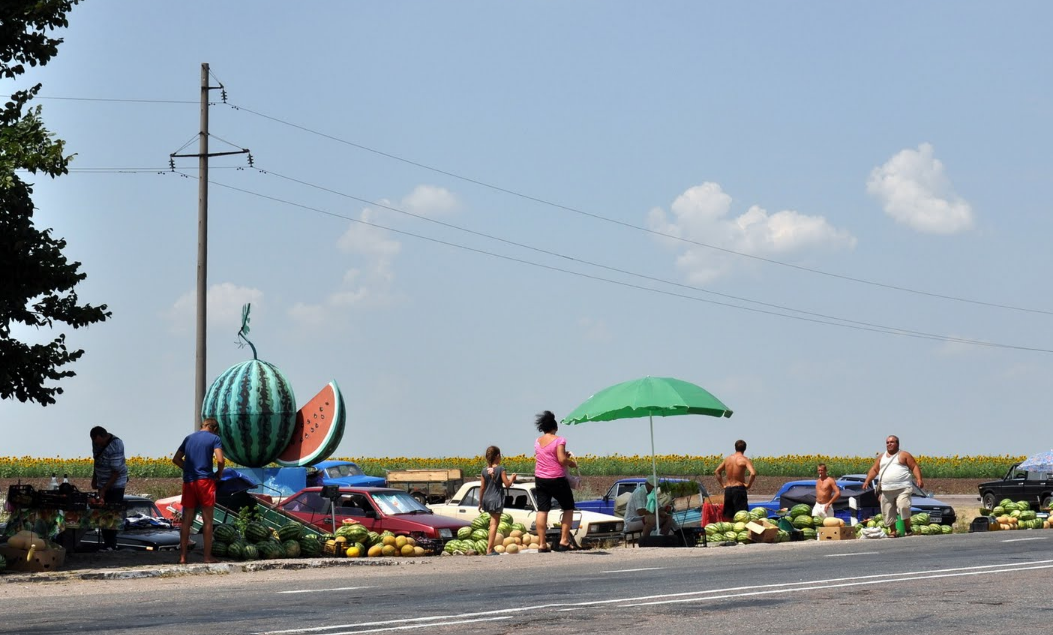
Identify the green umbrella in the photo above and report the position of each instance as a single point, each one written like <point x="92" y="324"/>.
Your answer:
<point x="648" y="397"/>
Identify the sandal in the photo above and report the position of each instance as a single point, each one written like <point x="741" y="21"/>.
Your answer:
<point x="544" y="549"/>
<point x="573" y="546"/>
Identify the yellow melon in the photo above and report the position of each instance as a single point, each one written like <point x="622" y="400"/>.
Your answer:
<point x="513" y="548"/>
<point x="400" y="542"/>
<point x="388" y="541"/>
<point x="388" y="550"/>
<point x="407" y="550"/>
<point x="353" y="552"/>
<point x="499" y="548"/>
<point x="375" y="551"/>
<point x="418" y="551"/>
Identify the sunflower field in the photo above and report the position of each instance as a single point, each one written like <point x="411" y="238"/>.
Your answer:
<point x="792" y="465"/>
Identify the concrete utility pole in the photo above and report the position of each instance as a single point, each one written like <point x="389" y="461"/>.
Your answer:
<point x="202" y="243"/>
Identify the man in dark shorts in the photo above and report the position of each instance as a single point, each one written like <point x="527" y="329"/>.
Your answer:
<point x="732" y="477"/>
<point x="194" y="457"/>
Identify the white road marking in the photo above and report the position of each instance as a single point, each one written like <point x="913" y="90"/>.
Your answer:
<point x="1023" y="539"/>
<point x="634" y="570"/>
<point x="346" y="588"/>
<point x="691" y="596"/>
<point x="432" y="625"/>
<point x="846" y="555"/>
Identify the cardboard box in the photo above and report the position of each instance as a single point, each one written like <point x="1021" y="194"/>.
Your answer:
<point x="836" y="533"/>
<point x="762" y="531"/>
<point x="42" y="560"/>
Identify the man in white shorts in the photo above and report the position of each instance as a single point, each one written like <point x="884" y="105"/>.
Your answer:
<point x="826" y="492"/>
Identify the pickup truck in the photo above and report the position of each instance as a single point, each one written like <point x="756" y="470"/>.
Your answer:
<point x="1019" y="485"/>
<point x="588" y="527"/>
<point x="427" y="486"/>
<point x="687" y="505"/>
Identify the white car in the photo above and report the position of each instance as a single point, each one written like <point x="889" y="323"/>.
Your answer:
<point x="521" y="503"/>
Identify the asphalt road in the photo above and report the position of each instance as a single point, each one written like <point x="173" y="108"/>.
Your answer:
<point x="962" y="583"/>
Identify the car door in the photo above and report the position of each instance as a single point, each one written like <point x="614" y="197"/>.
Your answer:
<point x="311" y="508"/>
<point x="360" y="509"/>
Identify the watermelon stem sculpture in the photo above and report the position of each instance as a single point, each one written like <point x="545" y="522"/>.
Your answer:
<point x="245" y="329"/>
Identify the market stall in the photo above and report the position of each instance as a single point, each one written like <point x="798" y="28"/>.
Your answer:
<point x="60" y="516"/>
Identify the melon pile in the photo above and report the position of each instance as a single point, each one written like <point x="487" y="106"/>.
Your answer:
<point x="1014" y="515"/>
<point x="919" y="525"/>
<point x="511" y="538"/>
<point x="354" y="540"/>
<point x="735" y="531"/>
<point x="258" y="542"/>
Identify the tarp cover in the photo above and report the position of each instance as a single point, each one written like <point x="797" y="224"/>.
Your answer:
<point x="797" y="494"/>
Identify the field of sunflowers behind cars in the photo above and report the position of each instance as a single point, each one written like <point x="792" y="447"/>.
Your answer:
<point x="159" y="478"/>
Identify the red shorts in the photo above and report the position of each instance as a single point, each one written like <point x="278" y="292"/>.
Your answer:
<point x="200" y="493"/>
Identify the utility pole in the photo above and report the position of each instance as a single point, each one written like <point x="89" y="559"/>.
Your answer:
<point x="202" y="242"/>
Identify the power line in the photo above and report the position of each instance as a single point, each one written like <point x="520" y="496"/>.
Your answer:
<point x="641" y="228"/>
<point x="824" y="320"/>
<point x="568" y="208"/>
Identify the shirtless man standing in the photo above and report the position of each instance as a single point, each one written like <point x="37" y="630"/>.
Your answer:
<point x="826" y="492"/>
<point x="736" y="487"/>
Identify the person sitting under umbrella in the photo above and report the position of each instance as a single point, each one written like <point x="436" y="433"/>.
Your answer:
<point x="640" y="512"/>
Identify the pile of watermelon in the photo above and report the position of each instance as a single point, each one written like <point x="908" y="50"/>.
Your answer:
<point x="1015" y="515"/>
<point x="736" y="531"/>
<point x="919" y="525"/>
<point x="511" y="538"/>
<point x="258" y="542"/>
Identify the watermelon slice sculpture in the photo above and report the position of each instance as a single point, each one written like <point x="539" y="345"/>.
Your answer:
<point x="318" y="429"/>
<point x="255" y="407"/>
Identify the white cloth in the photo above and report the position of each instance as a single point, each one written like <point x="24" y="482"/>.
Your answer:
<point x="819" y="509"/>
<point x="896" y="475"/>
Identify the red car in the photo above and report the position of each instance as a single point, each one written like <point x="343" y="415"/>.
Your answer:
<point x="378" y="508"/>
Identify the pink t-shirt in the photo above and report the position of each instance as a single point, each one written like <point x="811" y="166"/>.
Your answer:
<point x="548" y="465"/>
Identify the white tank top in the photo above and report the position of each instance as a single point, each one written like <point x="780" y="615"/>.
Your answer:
<point x="895" y="476"/>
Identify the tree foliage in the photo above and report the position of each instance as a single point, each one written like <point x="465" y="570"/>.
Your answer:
<point x="37" y="286"/>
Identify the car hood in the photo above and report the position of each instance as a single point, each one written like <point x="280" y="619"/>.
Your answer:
<point x="161" y="537"/>
<point x="432" y="520"/>
<point x="356" y="481"/>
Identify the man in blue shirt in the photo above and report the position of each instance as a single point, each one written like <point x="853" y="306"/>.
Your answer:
<point x="194" y="457"/>
<point x="109" y="476"/>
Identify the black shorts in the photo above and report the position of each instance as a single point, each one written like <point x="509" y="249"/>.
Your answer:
<point x="736" y="499"/>
<point x="558" y="488"/>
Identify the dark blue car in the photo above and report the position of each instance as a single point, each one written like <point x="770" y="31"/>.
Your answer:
<point x="344" y="474"/>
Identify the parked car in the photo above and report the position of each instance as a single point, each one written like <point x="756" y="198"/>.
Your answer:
<point x="145" y="529"/>
<point x="343" y="473"/>
<point x="378" y="508"/>
<point x="1019" y="485"/>
<point x="920" y="501"/>
<point x="521" y="503"/>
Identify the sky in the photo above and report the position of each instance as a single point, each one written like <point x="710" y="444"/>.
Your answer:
<point x="833" y="217"/>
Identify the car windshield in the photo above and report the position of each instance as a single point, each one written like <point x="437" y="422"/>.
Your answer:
<point x="348" y="469"/>
<point x="142" y="508"/>
<point x="393" y="503"/>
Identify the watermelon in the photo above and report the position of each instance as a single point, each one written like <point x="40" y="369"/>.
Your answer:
<point x="256" y="410"/>
<point x="219" y="549"/>
<point x="235" y="550"/>
<point x="352" y="531"/>
<point x="481" y="522"/>
<point x="1023" y="505"/>
<point x="758" y="512"/>
<point x="291" y="531"/>
<point x="317" y="431"/>
<point x="292" y="549"/>
<point x="478" y="534"/>
<point x="920" y="518"/>
<point x="507" y="519"/>
<point x="310" y="548"/>
<point x="741" y="517"/>
<point x="464" y="533"/>
<point x="256" y="532"/>
<point x="251" y="552"/>
<point x="480" y="546"/>
<point x="800" y="510"/>
<point x="225" y="534"/>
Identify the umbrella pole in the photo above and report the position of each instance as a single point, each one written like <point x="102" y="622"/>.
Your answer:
<point x="654" y="471"/>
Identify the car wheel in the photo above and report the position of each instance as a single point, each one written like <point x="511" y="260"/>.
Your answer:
<point x="990" y="501"/>
<point x="1047" y="500"/>
<point x="420" y="498"/>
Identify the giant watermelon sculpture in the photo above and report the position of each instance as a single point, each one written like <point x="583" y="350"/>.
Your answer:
<point x="255" y="407"/>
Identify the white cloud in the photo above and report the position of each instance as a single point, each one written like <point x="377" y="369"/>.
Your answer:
<point x="370" y="283"/>
<point x="223" y="304"/>
<point x="914" y="190"/>
<point x="429" y="199"/>
<point x="702" y="214"/>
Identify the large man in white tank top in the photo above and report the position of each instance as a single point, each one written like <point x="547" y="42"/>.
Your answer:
<point x="893" y="471"/>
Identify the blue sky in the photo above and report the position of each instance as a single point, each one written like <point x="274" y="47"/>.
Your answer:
<point x="563" y="196"/>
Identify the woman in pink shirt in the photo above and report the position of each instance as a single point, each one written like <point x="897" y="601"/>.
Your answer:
<point x="550" y="478"/>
